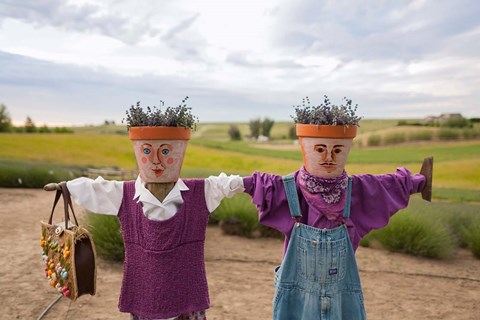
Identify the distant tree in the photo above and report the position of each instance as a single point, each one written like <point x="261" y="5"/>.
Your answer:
<point x="292" y="133"/>
<point x="255" y="126"/>
<point x="267" y="125"/>
<point x="234" y="133"/>
<point x="5" y="120"/>
<point x="458" y="123"/>
<point x="44" y="129"/>
<point x="30" y="126"/>
<point x="62" y="130"/>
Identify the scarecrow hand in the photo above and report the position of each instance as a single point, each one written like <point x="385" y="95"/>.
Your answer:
<point x="52" y="186"/>
<point x="427" y="172"/>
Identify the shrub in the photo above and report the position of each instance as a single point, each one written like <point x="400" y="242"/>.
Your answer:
<point x="32" y="174"/>
<point x="457" y="223"/>
<point x="471" y="133"/>
<point x="417" y="235"/>
<point x="421" y="135"/>
<point x="234" y="133"/>
<point x="395" y="137"/>
<point x="267" y="232"/>
<point x="374" y="140"/>
<point x="62" y="130"/>
<point x="367" y="240"/>
<point x="448" y="134"/>
<point x="457" y="123"/>
<point x="105" y="230"/>
<point x="238" y="215"/>
<point x="471" y="236"/>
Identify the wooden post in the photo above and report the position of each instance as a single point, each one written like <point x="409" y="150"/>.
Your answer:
<point x="160" y="190"/>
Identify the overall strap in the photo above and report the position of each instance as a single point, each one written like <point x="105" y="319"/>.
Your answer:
<point x="292" y="196"/>
<point x="346" y="210"/>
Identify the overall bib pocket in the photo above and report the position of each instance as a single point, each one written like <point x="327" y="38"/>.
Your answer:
<point x="321" y="260"/>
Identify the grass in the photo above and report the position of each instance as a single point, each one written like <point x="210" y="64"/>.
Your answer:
<point x="457" y="195"/>
<point x="395" y="138"/>
<point x="424" y="135"/>
<point x="374" y="140"/>
<point x="83" y="150"/>
<point x="448" y="134"/>
<point x="456" y="163"/>
<point x="427" y="229"/>
<point x="442" y="151"/>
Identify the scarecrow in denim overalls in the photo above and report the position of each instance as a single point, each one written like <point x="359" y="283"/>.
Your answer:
<point x="324" y="213"/>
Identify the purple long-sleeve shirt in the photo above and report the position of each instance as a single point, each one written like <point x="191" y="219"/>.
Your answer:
<point x="375" y="198"/>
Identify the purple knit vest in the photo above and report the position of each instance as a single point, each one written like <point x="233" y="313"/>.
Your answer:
<point x="164" y="268"/>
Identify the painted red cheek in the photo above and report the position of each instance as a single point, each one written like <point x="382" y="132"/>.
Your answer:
<point x="170" y="160"/>
<point x="144" y="160"/>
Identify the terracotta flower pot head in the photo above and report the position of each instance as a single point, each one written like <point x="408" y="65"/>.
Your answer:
<point x="159" y="152"/>
<point x="325" y="148"/>
<point x="160" y="140"/>
<point x="326" y="135"/>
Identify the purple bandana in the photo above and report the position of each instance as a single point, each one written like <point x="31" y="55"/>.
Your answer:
<point x="325" y="194"/>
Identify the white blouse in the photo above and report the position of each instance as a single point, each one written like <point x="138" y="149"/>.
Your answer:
<point x="105" y="196"/>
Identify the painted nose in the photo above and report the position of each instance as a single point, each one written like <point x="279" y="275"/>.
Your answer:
<point x="329" y="157"/>
<point x="158" y="159"/>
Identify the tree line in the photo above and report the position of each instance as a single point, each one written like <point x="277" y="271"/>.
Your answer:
<point x="29" y="126"/>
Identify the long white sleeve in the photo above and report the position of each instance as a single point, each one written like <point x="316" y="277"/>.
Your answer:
<point x="99" y="195"/>
<point x="221" y="186"/>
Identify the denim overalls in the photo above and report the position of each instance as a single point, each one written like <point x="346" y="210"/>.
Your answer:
<point x="318" y="278"/>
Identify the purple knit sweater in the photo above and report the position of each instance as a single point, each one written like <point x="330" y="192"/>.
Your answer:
<point x="375" y="198"/>
<point x="164" y="269"/>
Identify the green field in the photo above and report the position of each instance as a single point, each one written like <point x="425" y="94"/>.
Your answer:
<point x="456" y="169"/>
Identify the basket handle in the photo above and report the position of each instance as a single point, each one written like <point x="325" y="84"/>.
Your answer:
<point x="67" y="203"/>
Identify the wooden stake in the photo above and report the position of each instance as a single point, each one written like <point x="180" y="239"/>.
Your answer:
<point x="160" y="190"/>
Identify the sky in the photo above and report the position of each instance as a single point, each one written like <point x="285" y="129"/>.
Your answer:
<point x="78" y="62"/>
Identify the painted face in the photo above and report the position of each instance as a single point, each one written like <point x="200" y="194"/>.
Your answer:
<point x="159" y="161"/>
<point x="325" y="157"/>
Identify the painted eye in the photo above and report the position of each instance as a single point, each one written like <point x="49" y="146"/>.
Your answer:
<point x="147" y="151"/>
<point x="165" y="152"/>
<point x="320" y="149"/>
<point x="337" y="150"/>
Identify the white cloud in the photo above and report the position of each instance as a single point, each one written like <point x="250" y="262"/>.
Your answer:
<point x="239" y="59"/>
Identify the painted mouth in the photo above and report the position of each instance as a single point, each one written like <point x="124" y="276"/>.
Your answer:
<point x="329" y="166"/>
<point x="158" y="172"/>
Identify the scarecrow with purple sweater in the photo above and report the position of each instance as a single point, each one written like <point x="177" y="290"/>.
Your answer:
<point x="163" y="218"/>
<point x="324" y="213"/>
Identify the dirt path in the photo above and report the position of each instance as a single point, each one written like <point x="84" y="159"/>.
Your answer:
<point x="240" y="274"/>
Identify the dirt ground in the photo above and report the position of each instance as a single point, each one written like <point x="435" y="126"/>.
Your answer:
<point x="240" y="275"/>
